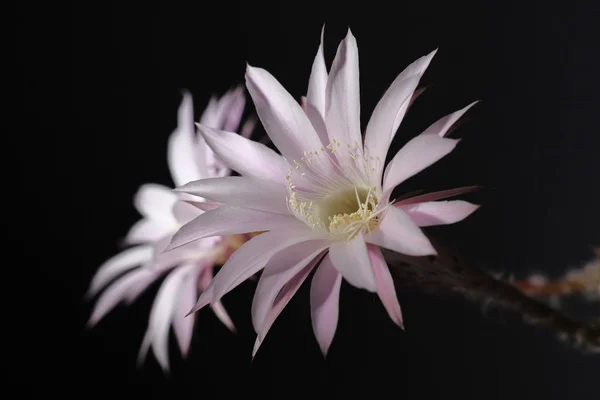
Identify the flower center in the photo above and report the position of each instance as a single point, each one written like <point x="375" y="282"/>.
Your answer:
<point x="335" y="194"/>
<point x="343" y="214"/>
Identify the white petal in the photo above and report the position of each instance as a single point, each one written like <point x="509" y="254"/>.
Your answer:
<point x="324" y="303"/>
<point x="352" y="260"/>
<point x="441" y="126"/>
<point x="155" y="202"/>
<point x="184" y="212"/>
<point x="390" y="110"/>
<point x="118" y="264"/>
<point x="279" y="271"/>
<point x="317" y="82"/>
<point x="162" y="313"/>
<point x="185" y="162"/>
<point x="147" y="230"/>
<point x="239" y="191"/>
<point x="284" y="120"/>
<point x="439" y="212"/>
<point x="247" y="157"/>
<point x="342" y="113"/>
<point x="184" y="326"/>
<point x="397" y="232"/>
<point x="118" y="291"/>
<point x="418" y="154"/>
<point x="227" y="220"/>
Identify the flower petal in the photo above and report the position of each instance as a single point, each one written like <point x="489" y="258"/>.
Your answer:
<point x="155" y="202"/>
<point x="398" y="233"/>
<point x="185" y="162"/>
<point x="442" y="194"/>
<point x="352" y="260"/>
<point x="249" y="158"/>
<point x="342" y="113"/>
<point x="418" y="154"/>
<point x="217" y="308"/>
<point x="278" y="271"/>
<point x="240" y="191"/>
<point x="119" y="291"/>
<point x="118" y="264"/>
<point x="439" y="212"/>
<point x="250" y="258"/>
<point x="282" y="300"/>
<point x="248" y="128"/>
<point x="188" y="293"/>
<point x="228" y="220"/>
<point x="324" y="303"/>
<point x="234" y="112"/>
<point x="390" y="110"/>
<point x="282" y="117"/>
<point x="162" y="313"/>
<point x="204" y="205"/>
<point x="385" y="285"/>
<point x="441" y="126"/>
<point x="317" y="82"/>
<point x="146" y="230"/>
<point x="184" y="212"/>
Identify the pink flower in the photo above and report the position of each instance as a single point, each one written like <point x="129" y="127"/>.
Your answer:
<point x="189" y="269"/>
<point x="325" y="202"/>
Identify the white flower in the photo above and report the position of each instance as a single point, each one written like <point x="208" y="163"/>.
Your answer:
<point x="189" y="269"/>
<point x="326" y="199"/>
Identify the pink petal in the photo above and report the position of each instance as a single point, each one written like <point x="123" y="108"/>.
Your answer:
<point x="398" y="233"/>
<point x="162" y="312"/>
<point x="324" y="303"/>
<point x="250" y="258"/>
<point x="222" y="315"/>
<point x="283" y="118"/>
<point x="317" y="121"/>
<point x="146" y="230"/>
<point x="233" y="114"/>
<point x="217" y="307"/>
<point x="281" y="301"/>
<point x="239" y="191"/>
<point x="118" y="264"/>
<point x="184" y="212"/>
<point x="385" y="285"/>
<point x="418" y="154"/>
<point x="390" y="110"/>
<point x="185" y="163"/>
<point x="278" y="271"/>
<point x="442" y="194"/>
<point x="155" y="202"/>
<point x="441" y="126"/>
<point x="317" y="82"/>
<point x="117" y="292"/>
<point x="352" y="260"/>
<point x="228" y="220"/>
<point x="204" y="205"/>
<point x="245" y="156"/>
<point x="184" y="326"/>
<point x="342" y="113"/>
<point x="439" y="212"/>
<point x="248" y="127"/>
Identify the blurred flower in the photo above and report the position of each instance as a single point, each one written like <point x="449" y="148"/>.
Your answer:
<point x="327" y="198"/>
<point x="584" y="281"/>
<point x="189" y="268"/>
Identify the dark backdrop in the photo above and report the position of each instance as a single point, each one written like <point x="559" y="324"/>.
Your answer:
<point x="100" y="88"/>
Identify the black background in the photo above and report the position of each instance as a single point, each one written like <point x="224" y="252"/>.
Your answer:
<point x="100" y="89"/>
